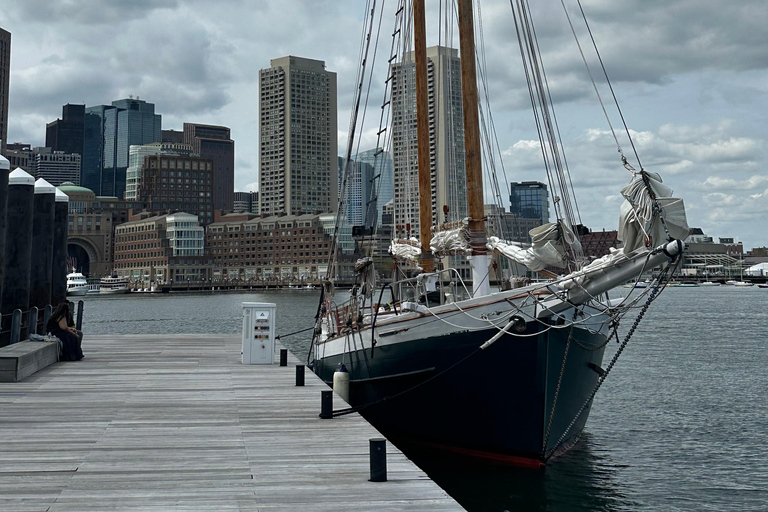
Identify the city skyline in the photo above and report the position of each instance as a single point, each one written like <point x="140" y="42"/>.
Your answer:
<point x="692" y="96"/>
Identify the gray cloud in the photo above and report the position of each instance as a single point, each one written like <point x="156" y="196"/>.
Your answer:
<point x="690" y="76"/>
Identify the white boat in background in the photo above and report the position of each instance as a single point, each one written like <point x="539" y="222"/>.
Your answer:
<point x="77" y="285"/>
<point x="742" y="283"/>
<point x="114" y="285"/>
<point x="709" y="283"/>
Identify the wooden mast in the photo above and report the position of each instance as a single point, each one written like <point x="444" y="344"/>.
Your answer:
<point x="422" y="132"/>
<point x="473" y="157"/>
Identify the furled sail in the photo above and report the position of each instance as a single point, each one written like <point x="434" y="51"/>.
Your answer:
<point x="451" y="239"/>
<point x="405" y="249"/>
<point x="547" y="248"/>
<point x="639" y="226"/>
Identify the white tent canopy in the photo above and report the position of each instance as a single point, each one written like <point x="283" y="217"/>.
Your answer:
<point x="761" y="269"/>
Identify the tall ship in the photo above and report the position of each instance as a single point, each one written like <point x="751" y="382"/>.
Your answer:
<point x="441" y="359"/>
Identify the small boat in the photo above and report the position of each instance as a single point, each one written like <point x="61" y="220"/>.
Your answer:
<point x="686" y="285"/>
<point x="742" y="283"/>
<point x="77" y="285"/>
<point x="709" y="283"/>
<point x="762" y="286"/>
<point x="114" y="285"/>
<point x="309" y="287"/>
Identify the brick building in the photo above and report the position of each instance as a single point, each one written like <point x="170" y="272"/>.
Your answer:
<point x="161" y="249"/>
<point x="287" y="248"/>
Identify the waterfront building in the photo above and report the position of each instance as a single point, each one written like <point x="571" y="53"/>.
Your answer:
<point x="161" y="249"/>
<point x="298" y="137"/>
<point x="91" y="229"/>
<point x="359" y="206"/>
<point x="530" y="200"/>
<point x="214" y="142"/>
<point x="109" y="132"/>
<point x="246" y="202"/>
<point x="275" y="248"/>
<point x="597" y="244"/>
<point x="382" y="165"/>
<point x="174" y="182"/>
<point x="5" y="76"/>
<point x="66" y="134"/>
<point x="446" y="139"/>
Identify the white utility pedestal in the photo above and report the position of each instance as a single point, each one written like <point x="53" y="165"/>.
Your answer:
<point x="258" y="333"/>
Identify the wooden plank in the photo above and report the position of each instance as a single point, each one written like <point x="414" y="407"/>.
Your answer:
<point x="177" y="422"/>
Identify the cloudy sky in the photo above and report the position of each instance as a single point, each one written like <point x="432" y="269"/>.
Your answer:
<point x="691" y="77"/>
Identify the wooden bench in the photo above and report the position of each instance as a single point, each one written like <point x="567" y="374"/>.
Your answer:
<point x="20" y="360"/>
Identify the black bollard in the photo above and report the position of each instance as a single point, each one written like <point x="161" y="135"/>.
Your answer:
<point x="299" y="374"/>
<point x="18" y="248"/>
<point x="41" y="264"/>
<point x="5" y="169"/>
<point x="283" y="357"/>
<point x="60" y="232"/>
<point x="15" y="326"/>
<point x="378" y="454"/>
<point x="46" y="315"/>
<point x="33" y="320"/>
<point x="326" y="404"/>
<point x="79" y="322"/>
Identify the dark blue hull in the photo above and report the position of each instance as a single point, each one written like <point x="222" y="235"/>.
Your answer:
<point x="494" y="403"/>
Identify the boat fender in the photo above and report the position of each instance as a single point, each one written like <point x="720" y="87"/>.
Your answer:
<point x="519" y="325"/>
<point x="341" y="382"/>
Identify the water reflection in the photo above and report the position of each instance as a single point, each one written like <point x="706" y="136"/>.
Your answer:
<point x="583" y="479"/>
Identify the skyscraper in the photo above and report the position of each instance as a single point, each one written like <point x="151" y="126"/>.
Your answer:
<point x="382" y="165"/>
<point x="446" y="139"/>
<point x="359" y="203"/>
<point x="297" y="144"/>
<point x="5" y="74"/>
<point x="109" y="132"/>
<point x="529" y="200"/>
<point x="137" y="124"/>
<point x="214" y="142"/>
<point x="66" y="134"/>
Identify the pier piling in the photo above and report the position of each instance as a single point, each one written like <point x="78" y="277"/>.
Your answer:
<point x="18" y="247"/>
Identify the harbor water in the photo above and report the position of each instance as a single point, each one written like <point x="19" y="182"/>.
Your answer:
<point x="680" y="424"/>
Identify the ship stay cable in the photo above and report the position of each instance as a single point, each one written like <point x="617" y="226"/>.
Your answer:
<point x="364" y="49"/>
<point x="656" y="289"/>
<point x="657" y="208"/>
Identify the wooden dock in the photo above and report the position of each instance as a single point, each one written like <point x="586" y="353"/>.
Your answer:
<point x="178" y="423"/>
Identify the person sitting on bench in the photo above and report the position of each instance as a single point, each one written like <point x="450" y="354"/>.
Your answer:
<point x="58" y="325"/>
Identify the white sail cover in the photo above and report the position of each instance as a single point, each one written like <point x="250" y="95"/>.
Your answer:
<point x="637" y="219"/>
<point x="409" y="250"/>
<point x="545" y="251"/>
<point x="451" y="241"/>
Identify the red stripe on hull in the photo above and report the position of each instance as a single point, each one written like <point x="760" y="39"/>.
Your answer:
<point x="495" y="458"/>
